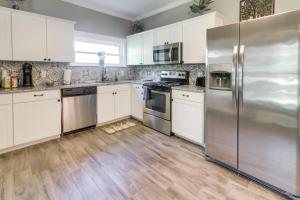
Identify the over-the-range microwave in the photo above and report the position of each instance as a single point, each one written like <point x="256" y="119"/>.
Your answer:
<point x="168" y="54"/>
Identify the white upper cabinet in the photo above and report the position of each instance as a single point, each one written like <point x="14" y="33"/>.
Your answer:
<point x="194" y="36"/>
<point x="168" y="34"/>
<point x="29" y="36"/>
<point x="5" y="34"/>
<point x="60" y="40"/>
<point x="35" y="37"/>
<point x="135" y="49"/>
<point x="140" y="48"/>
<point x="191" y="32"/>
<point x="148" y="42"/>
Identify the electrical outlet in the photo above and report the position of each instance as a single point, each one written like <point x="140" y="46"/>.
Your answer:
<point x="43" y="74"/>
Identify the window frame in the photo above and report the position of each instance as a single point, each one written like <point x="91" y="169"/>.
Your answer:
<point x="104" y="40"/>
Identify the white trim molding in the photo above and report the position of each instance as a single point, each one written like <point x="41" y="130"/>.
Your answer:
<point x="100" y="9"/>
<point x="97" y="8"/>
<point x="163" y="9"/>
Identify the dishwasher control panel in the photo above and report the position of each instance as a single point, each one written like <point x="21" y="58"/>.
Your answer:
<point x="68" y="92"/>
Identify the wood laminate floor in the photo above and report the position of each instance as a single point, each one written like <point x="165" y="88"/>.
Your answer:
<point x="137" y="163"/>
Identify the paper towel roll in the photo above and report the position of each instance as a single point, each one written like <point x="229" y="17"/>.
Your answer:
<point x="67" y="76"/>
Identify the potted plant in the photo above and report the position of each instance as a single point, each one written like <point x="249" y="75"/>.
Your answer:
<point x="200" y="6"/>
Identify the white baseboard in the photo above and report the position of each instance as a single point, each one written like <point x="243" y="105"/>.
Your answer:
<point x="21" y="146"/>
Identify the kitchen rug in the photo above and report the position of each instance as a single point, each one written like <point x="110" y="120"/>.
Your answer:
<point x="118" y="126"/>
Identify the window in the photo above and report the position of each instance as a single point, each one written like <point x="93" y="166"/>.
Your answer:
<point x="87" y="46"/>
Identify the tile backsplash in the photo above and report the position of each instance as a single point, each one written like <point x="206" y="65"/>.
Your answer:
<point x="54" y="72"/>
<point x="82" y="74"/>
<point x="153" y="71"/>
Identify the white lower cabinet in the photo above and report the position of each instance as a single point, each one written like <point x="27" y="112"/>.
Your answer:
<point x="6" y="121"/>
<point x="188" y="116"/>
<point x="36" y="116"/>
<point x="137" y="102"/>
<point x="122" y="104"/>
<point x="106" y="107"/>
<point x="113" y="102"/>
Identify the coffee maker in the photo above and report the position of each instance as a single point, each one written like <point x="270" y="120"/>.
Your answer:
<point x="27" y="75"/>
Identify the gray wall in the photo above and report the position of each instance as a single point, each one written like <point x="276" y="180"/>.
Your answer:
<point x="229" y="8"/>
<point x="87" y="20"/>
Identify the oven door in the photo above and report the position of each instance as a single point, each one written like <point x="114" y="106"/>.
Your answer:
<point x="159" y="104"/>
<point x="167" y="54"/>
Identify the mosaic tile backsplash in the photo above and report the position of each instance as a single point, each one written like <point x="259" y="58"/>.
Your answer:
<point x="84" y="74"/>
<point x="153" y="71"/>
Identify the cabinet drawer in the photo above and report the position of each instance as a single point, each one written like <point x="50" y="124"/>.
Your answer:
<point x="189" y="96"/>
<point x="113" y="88"/>
<point x="36" y="96"/>
<point x="5" y="99"/>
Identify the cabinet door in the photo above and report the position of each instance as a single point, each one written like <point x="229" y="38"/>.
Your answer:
<point x="175" y="33"/>
<point x="6" y="133"/>
<point x="137" y="103"/>
<point x="106" y="107"/>
<point x="5" y="35"/>
<point x="135" y="49"/>
<point x="162" y="35"/>
<point x="148" y="43"/>
<point x="194" y="38"/>
<point x="188" y="120"/>
<point x="168" y="34"/>
<point x="36" y="120"/>
<point x="60" y="40"/>
<point x="122" y="104"/>
<point x="29" y="37"/>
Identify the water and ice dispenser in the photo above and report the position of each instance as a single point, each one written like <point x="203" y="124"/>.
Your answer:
<point x="220" y="77"/>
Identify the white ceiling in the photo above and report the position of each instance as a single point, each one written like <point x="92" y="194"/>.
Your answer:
<point x="129" y="9"/>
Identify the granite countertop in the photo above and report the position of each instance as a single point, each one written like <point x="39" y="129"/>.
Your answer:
<point x="189" y="88"/>
<point x="32" y="89"/>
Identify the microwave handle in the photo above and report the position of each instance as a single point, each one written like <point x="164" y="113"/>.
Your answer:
<point x="170" y="53"/>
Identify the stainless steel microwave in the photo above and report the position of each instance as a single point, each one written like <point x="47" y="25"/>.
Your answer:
<point x="168" y="54"/>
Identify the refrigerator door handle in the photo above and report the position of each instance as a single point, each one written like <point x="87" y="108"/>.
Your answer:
<point x="234" y="83"/>
<point x="241" y="75"/>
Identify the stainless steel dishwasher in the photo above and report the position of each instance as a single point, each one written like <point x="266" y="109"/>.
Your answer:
<point x="79" y="108"/>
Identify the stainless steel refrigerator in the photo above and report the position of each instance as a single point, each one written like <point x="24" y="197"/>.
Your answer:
<point x="253" y="102"/>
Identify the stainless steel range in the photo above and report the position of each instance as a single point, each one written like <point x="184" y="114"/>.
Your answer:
<point x="157" y="100"/>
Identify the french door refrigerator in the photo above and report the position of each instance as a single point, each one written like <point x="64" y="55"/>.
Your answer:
<point x="252" y="100"/>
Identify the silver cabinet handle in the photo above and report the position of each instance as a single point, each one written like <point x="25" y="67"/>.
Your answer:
<point x="185" y="95"/>
<point x="38" y="95"/>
